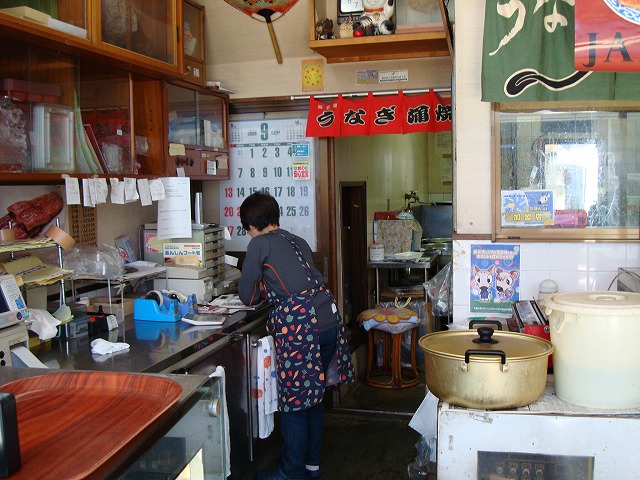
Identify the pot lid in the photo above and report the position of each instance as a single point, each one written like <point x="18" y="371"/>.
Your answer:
<point x="607" y="303"/>
<point x="516" y="346"/>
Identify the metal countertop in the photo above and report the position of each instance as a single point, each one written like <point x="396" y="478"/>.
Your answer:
<point x="154" y="346"/>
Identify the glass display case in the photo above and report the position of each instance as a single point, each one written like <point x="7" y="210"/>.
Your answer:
<point x="62" y="114"/>
<point x="194" y="448"/>
<point x="198" y="125"/>
<point x="140" y="27"/>
<point x="193" y="42"/>
<point x="568" y="173"/>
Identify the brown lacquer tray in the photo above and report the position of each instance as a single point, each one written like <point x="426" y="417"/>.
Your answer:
<point x="71" y="423"/>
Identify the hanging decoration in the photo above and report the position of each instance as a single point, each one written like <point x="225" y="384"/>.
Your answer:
<point x="373" y="115"/>
<point x="528" y="54"/>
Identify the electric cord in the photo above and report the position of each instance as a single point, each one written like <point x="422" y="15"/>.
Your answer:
<point x="621" y="272"/>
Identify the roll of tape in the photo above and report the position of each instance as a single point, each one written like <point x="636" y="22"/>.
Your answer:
<point x="61" y="237"/>
<point x="7" y="235"/>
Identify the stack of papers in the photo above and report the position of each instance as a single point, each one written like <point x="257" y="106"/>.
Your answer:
<point x="34" y="272"/>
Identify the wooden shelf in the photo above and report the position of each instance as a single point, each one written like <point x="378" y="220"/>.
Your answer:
<point x="383" y="47"/>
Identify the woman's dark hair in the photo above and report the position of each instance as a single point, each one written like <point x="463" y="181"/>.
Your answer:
<point x="260" y="210"/>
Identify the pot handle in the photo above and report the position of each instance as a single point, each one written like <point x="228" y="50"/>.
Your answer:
<point x="472" y="351"/>
<point x="473" y="323"/>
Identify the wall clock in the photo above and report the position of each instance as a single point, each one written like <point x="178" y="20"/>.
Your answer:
<point x="346" y="8"/>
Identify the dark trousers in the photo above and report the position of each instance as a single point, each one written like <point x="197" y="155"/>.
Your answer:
<point x="302" y="431"/>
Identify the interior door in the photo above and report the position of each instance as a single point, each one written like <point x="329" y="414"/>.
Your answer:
<point x="353" y="204"/>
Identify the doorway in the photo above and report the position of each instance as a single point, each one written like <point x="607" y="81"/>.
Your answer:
<point x="353" y="214"/>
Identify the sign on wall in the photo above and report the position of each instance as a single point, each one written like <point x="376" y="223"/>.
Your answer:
<point x="276" y="157"/>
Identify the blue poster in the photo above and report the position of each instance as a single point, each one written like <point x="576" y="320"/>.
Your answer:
<point x="495" y="278"/>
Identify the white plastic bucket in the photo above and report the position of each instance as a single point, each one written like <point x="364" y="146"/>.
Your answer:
<point x="597" y="358"/>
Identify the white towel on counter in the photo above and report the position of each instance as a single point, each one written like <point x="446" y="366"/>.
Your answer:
<point x="267" y="386"/>
<point x="102" y="347"/>
<point x="219" y="373"/>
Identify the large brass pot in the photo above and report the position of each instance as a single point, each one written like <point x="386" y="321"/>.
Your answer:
<point x="485" y="369"/>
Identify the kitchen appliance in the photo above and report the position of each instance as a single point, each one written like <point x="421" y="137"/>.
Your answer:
<point x="484" y="368"/>
<point x="597" y="359"/>
<point x="549" y="439"/>
<point x="13" y="314"/>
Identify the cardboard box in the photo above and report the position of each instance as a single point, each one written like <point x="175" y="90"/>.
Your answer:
<point x="117" y="308"/>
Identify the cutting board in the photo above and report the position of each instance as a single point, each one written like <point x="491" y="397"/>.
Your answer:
<point x="72" y="423"/>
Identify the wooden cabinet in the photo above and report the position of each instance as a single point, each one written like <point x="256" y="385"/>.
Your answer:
<point x="133" y="34"/>
<point x="90" y="93"/>
<point x="197" y="120"/>
<point x="193" y="43"/>
<point x="58" y="108"/>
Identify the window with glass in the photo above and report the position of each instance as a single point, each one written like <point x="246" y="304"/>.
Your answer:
<point x="568" y="174"/>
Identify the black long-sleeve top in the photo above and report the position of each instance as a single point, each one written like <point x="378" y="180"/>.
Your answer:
<point x="272" y="259"/>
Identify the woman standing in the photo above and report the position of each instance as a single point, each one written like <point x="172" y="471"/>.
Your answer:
<point x="308" y="329"/>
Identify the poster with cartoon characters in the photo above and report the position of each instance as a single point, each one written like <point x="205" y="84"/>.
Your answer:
<point x="526" y="208"/>
<point x="495" y="278"/>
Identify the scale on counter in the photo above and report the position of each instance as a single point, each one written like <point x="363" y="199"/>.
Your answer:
<point x="13" y="314"/>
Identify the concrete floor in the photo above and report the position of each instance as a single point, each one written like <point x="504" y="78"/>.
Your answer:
<point x="367" y="436"/>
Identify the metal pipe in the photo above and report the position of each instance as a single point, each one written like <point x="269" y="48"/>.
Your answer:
<point x="364" y="94"/>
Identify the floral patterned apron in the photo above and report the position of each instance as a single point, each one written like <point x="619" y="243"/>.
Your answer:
<point x="301" y="379"/>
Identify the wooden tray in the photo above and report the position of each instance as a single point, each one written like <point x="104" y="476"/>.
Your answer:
<point x="71" y="423"/>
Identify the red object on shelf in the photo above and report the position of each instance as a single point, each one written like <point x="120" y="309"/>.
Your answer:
<point x="385" y="216"/>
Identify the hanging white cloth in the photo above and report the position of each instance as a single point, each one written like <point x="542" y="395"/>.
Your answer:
<point x="267" y="386"/>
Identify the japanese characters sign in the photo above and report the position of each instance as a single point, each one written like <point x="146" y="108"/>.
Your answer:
<point x="372" y="115"/>
<point x="526" y="208"/>
<point x="528" y="55"/>
<point x="495" y="278"/>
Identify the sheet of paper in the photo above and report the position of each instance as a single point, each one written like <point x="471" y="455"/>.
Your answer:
<point x="102" y="189"/>
<point x="157" y="189"/>
<point x="130" y="190"/>
<point x="86" y="194"/>
<point x="72" y="187"/>
<point x="174" y="212"/>
<point x="145" y="193"/>
<point x="176" y="149"/>
<point x="229" y="260"/>
<point x="180" y="172"/>
<point x="117" y="191"/>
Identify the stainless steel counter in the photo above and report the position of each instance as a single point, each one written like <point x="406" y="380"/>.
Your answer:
<point x="155" y="347"/>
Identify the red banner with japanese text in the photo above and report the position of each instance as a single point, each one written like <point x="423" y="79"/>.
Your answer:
<point x="442" y="113"/>
<point x="607" y="35"/>
<point x="355" y="116"/>
<point x="384" y="114"/>
<point x="324" y="118"/>
<point x="388" y="114"/>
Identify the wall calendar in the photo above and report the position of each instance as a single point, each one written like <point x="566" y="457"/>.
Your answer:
<point x="273" y="156"/>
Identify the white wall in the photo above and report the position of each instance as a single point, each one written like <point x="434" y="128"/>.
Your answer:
<point x="574" y="266"/>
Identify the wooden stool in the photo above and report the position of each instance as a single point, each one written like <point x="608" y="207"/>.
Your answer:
<point x="391" y="374"/>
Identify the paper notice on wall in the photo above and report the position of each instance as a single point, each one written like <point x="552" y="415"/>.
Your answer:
<point x="72" y="187"/>
<point x="117" y="191"/>
<point x="145" y="193"/>
<point x="174" y="212"/>
<point x="130" y="190"/>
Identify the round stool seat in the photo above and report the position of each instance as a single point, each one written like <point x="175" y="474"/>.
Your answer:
<point x="391" y="374"/>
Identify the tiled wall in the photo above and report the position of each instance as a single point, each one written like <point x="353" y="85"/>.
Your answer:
<point x="573" y="266"/>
